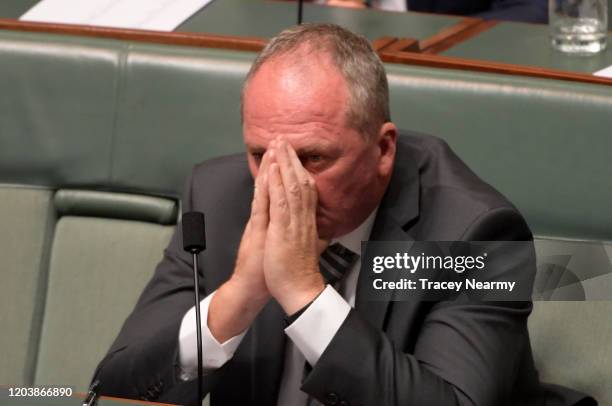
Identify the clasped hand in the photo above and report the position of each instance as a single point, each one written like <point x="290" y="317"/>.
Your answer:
<point x="280" y="247"/>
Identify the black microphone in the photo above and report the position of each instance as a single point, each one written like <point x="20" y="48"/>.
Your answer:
<point x="194" y="242"/>
<point x="300" y="11"/>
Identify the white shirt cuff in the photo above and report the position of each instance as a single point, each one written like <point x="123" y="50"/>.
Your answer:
<point x="214" y="354"/>
<point x="314" y="329"/>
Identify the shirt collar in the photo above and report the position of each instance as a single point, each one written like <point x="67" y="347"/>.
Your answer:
<point x="353" y="239"/>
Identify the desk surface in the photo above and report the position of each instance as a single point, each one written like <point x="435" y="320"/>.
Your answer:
<point x="259" y="18"/>
<point x="528" y="45"/>
<point x="265" y="18"/>
<point x="15" y="8"/>
<point x="446" y="42"/>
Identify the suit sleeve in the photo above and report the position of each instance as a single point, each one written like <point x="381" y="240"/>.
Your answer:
<point x="466" y="353"/>
<point x="534" y="11"/>
<point x="142" y="363"/>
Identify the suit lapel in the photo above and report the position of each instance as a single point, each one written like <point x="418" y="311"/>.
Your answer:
<point x="399" y="207"/>
<point x="420" y="5"/>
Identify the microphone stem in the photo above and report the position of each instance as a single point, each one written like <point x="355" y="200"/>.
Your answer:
<point x="196" y="284"/>
<point x="300" y="11"/>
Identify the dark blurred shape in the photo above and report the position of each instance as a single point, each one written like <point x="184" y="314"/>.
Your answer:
<point x="533" y="11"/>
<point x="194" y="240"/>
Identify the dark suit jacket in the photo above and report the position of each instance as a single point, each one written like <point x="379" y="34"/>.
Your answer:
<point x="535" y="11"/>
<point x="385" y="353"/>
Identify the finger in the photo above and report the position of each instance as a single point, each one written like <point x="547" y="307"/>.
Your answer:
<point x="305" y="179"/>
<point x="261" y="201"/>
<point x="299" y="169"/>
<point x="279" y="210"/>
<point x="265" y="162"/>
<point x="291" y="183"/>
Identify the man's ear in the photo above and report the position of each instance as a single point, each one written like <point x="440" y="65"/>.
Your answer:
<point x="386" y="139"/>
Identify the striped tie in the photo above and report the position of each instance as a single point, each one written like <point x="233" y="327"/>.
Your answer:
<point x="335" y="262"/>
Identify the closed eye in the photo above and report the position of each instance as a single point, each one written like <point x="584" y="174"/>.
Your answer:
<point x="315" y="163"/>
<point x="314" y="158"/>
<point x="310" y="159"/>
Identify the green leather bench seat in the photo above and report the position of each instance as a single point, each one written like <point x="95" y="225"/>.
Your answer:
<point x="109" y="121"/>
<point x="92" y="113"/>
<point x="73" y="264"/>
<point x="97" y="270"/>
<point x="571" y="338"/>
<point x="89" y="186"/>
<point x="104" y="248"/>
<point x="115" y="205"/>
<point x="545" y="144"/>
<point x="571" y="344"/>
<point x="26" y="221"/>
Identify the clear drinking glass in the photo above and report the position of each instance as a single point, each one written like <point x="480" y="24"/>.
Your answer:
<point x="578" y="26"/>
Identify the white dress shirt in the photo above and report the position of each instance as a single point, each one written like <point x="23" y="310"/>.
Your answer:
<point x="309" y="335"/>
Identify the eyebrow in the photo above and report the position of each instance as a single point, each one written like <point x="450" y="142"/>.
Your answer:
<point x="310" y="149"/>
<point x="300" y="150"/>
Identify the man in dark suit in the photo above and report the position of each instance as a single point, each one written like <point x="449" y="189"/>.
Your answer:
<point x="534" y="11"/>
<point x="325" y="166"/>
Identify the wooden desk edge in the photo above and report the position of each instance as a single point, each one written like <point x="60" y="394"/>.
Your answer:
<point x="447" y="62"/>
<point x="382" y="43"/>
<point x="454" y="35"/>
<point x="254" y="44"/>
<point x="447" y="34"/>
<point x="171" y="38"/>
<point x="390" y="49"/>
<point x="82" y="395"/>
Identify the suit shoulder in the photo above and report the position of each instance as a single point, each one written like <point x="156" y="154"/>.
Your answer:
<point x="229" y="164"/>
<point x="442" y="170"/>
<point x="222" y="172"/>
<point x="222" y="182"/>
<point x="452" y="196"/>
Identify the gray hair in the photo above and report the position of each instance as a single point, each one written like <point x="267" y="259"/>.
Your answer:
<point x="354" y="58"/>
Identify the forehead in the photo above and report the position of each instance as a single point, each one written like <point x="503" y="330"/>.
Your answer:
<point x="293" y="95"/>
